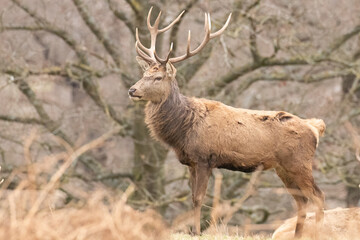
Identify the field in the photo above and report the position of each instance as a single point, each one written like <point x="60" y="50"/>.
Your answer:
<point x="215" y="237"/>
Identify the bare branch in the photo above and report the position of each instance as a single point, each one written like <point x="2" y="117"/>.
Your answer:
<point x="122" y="16"/>
<point x="289" y="77"/>
<point x="48" y="123"/>
<point x="36" y="17"/>
<point x="59" y="173"/>
<point x="253" y="41"/>
<point x="113" y="176"/>
<point x="136" y="6"/>
<point x="21" y="28"/>
<point x="96" y="30"/>
<point x="337" y="43"/>
<point x="268" y="62"/>
<point x="242" y="70"/>
<point x="88" y="83"/>
<point x="249" y="191"/>
<point x="188" y="70"/>
<point x="65" y="36"/>
<point x="21" y="120"/>
<point x="175" y="29"/>
<point x="252" y="6"/>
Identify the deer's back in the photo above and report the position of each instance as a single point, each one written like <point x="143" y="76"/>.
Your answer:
<point x="249" y="135"/>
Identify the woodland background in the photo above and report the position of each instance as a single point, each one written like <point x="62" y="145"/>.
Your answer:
<point x="66" y="66"/>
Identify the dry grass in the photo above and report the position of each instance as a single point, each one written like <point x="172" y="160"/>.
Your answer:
<point x="339" y="224"/>
<point x="97" y="219"/>
<point x="179" y="236"/>
<point x="29" y="212"/>
<point x="35" y="208"/>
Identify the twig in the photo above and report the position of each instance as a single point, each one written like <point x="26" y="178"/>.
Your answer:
<point x="253" y="41"/>
<point x="135" y="5"/>
<point x="249" y="191"/>
<point x="96" y="30"/>
<point x="278" y="76"/>
<point x="2" y="180"/>
<point x="55" y="178"/>
<point x="175" y="28"/>
<point x="122" y="16"/>
<point x="21" y="120"/>
<point x="113" y="176"/>
<point x="355" y="138"/>
<point x="237" y="72"/>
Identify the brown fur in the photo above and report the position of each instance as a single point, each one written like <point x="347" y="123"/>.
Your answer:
<point x="207" y="134"/>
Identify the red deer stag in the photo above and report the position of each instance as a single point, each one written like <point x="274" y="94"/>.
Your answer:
<point x="207" y="134"/>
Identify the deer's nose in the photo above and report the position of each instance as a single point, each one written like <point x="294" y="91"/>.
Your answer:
<point x="131" y="91"/>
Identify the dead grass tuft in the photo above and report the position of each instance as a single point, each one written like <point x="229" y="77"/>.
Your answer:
<point x="31" y="210"/>
<point x="339" y="224"/>
<point x="101" y="217"/>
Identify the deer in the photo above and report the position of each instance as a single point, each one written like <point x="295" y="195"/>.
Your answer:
<point x="207" y="134"/>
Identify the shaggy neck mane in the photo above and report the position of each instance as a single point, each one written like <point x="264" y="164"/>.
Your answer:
<point x="171" y="119"/>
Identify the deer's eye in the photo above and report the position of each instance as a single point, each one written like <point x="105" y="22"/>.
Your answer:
<point x="158" y="78"/>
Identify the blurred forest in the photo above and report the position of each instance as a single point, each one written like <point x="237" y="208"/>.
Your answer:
<point x="66" y="66"/>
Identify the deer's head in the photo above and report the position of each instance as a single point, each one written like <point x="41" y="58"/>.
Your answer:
<point x="159" y="74"/>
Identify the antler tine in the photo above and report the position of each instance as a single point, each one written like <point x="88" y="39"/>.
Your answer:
<point x="141" y="53"/>
<point x="162" y="61"/>
<point x="172" y="23"/>
<point x="148" y="19"/>
<point x="153" y="29"/>
<point x="139" y="44"/>
<point x="190" y="53"/>
<point x="207" y="37"/>
<point x="209" y="22"/>
<point x="188" y="43"/>
<point x="221" y="30"/>
<point x="156" y="23"/>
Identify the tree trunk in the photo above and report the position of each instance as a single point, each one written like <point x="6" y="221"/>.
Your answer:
<point x="149" y="157"/>
<point x="352" y="196"/>
<point x="352" y="193"/>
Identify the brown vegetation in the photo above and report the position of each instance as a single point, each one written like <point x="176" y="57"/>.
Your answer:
<point x="339" y="224"/>
<point x="36" y="210"/>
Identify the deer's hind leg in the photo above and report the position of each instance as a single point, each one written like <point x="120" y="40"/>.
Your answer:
<point x="299" y="173"/>
<point x="301" y="200"/>
<point x="313" y="192"/>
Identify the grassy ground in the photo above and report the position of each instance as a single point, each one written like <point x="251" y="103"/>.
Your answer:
<point x="179" y="236"/>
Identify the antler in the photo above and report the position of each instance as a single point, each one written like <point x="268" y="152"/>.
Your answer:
<point x="149" y="54"/>
<point x="208" y="36"/>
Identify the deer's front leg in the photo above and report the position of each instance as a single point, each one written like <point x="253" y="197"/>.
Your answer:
<point x="199" y="177"/>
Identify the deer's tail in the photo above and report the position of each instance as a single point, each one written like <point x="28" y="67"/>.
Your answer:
<point x="317" y="126"/>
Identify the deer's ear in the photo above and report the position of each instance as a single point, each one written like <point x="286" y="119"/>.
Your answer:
<point x="145" y="65"/>
<point x="170" y="70"/>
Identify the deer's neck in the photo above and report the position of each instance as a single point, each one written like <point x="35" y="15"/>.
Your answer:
<point x="171" y="120"/>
